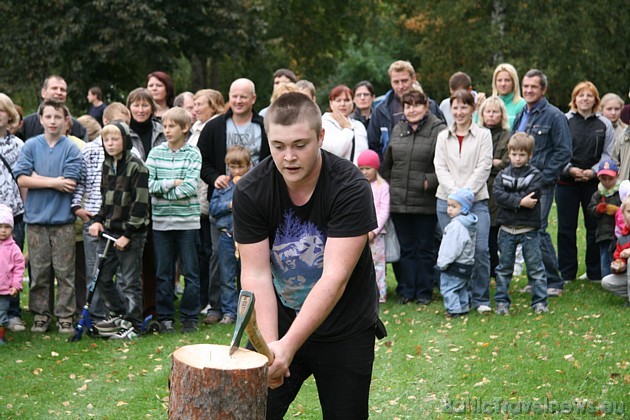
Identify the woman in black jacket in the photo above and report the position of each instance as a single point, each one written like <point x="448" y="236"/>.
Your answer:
<point x="408" y="167"/>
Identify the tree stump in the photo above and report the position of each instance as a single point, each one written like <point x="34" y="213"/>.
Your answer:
<point x="207" y="383"/>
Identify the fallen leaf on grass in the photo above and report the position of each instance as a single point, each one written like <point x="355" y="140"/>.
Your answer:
<point x="37" y="371"/>
<point x="90" y="406"/>
<point x="483" y="382"/>
<point x="73" y="376"/>
<point x="419" y="350"/>
<point x="120" y="403"/>
<point x="19" y="361"/>
<point x="54" y="354"/>
<point x="569" y="357"/>
<point x="9" y="406"/>
<point x="82" y="388"/>
<point x="409" y="357"/>
<point x="66" y="403"/>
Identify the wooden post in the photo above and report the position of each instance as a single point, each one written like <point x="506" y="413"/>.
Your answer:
<point x="206" y="382"/>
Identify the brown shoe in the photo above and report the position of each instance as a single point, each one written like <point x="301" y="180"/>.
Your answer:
<point x="211" y="319"/>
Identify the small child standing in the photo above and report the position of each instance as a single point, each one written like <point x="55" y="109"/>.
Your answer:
<point x="11" y="266"/>
<point x="457" y="252"/>
<point x="618" y="282"/>
<point x="238" y="162"/>
<point x="369" y="164"/>
<point x="174" y="169"/>
<point x="603" y="206"/>
<point x="124" y="213"/>
<point x="516" y="190"/>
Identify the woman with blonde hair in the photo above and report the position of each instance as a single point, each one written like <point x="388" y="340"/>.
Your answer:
<point x="592" y="137"/>
<point x="610" y="107"/>
<point x="506" y="85"/>
<point x="493" y="116"/>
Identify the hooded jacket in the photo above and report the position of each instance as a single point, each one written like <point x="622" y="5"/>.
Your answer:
<point x="458" y="242"/>
<point x="125" y="191"/>
<point x="11" y="266"/>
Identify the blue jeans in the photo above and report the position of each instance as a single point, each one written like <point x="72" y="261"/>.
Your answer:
<point x="125" y="296"/>
<point x="214" y="276"/>
<point x="479" y="285"/>
<point x="205" y="253"/>
<point x="530" y="242"/>
<point x="569" y="199"/>
<point x="169" y="245"/>
<point x="229" y="266"/>
<point x="418" y="253"/>
<point x="454" y="290"/>
<point x="605" y="256"/>
<point x="4" y="309"/>
<point x="546" y="245"/>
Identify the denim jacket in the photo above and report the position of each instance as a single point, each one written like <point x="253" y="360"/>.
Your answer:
<point x="220" y="207"/>
<point x="553" y="144"/>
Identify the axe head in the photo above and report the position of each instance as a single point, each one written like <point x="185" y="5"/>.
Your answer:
<point x="244" y="312"/>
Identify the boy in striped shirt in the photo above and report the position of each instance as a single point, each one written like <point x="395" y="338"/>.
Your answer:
<point x="174" y="169"/>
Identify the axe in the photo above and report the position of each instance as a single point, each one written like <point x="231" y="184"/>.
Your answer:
<point x="246" y="321"/>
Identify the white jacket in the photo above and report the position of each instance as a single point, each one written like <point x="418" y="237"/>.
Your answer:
<point x="469" y="168"/>
<point x="338" y="141"/>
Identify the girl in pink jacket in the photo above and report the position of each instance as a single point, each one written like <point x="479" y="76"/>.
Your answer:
<point x="11" y="266"/>
<point x="369" y="164"/>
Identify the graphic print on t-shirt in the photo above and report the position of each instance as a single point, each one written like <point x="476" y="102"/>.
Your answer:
<point x="297" y="259"/>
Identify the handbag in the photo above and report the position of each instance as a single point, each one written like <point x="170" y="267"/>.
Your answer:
<point x="392" y="246"/>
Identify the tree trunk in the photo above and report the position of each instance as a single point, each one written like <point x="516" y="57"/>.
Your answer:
<point x="206" y="382"/>
<point x="198" y="72"/>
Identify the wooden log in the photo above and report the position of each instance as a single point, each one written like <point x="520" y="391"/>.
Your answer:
<point x="207" y="383"/>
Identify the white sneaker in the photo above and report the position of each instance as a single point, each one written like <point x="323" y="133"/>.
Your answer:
<point x="482" y="309"/>
<point x="205" y="310"/>
<point x="16" y="324"/>
<point x="526" y="289"/>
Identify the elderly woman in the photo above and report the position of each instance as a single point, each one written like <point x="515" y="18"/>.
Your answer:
<point x="408" y="167"/>
<point x="343" y="136"/>
<point x="593" y="138"/>
<point x="463" y="159"/>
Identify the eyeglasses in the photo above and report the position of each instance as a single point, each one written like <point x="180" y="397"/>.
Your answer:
<point x="363" y="95"/>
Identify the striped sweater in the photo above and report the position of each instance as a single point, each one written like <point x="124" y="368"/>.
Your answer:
<point x="174" y="207"/>
<point x="124" y="188"/>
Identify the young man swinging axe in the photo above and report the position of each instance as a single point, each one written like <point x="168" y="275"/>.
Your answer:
<point x="301" y="218"/>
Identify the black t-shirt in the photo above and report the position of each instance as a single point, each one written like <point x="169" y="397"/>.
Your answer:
<point x="341" y="206"/>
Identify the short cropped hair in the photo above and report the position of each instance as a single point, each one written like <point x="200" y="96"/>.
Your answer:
<point x="168" y="84"/>
<point x="59" y="106"/>
<point x="498" y="102"/>
<point x="610" y="97"/>
<point x="521" y="141"/>
<point x="306" y="85"/>
<point x="292" y="108"/>
<point x="179" y="99"/>
<point x="367" y="85"/>
<point x="537" y="73"/>
<point x="91" y="125"/>
<point x="141" y="94"/>
<point x="238" y="155"/>
<point x="464" y="97"/>
<point x="96" y="91"/>
<point x="49" y="78"/>
<point x="401" y="65"/>
<point x="6" y="105"/>
<point x="459" y="80"/>
<point x="513" y="75"/>
<point x="179" y="116"/>
<point x="214" y="99"/>
<point x="286" y="73"/>
<point x="586" y="85"/>
<point x="113" y="109"/>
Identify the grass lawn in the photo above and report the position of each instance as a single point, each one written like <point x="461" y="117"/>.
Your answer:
<point x="574" y="358"/>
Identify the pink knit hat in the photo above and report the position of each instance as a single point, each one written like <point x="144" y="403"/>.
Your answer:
<point x="6" y="215"/>
<point x="369" y="158"/>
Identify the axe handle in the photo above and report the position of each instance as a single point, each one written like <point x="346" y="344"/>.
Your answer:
<point x="257" y="340"/>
